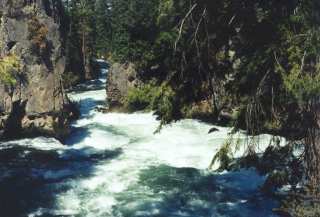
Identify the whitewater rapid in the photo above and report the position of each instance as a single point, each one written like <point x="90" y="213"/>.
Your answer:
<point x="114" y="165"/>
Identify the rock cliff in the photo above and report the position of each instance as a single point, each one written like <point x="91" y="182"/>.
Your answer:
<point x="35" y="103"/>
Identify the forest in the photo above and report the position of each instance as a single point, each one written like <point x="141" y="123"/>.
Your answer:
<point x="253" y="66"/>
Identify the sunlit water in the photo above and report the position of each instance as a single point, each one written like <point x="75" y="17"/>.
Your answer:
<point x="114" y="165"/>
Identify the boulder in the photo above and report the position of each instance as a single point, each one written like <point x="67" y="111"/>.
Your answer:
<point x="213" y="129"/>
<point x="121" y="77"/>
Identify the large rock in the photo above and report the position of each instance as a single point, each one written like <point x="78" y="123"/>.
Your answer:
<point x="36" y="102"/>
<point x="121" y="77"/>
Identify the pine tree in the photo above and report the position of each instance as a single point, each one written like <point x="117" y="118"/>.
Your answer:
<point x="81" y="46"/>
<point x="103" y="16"/>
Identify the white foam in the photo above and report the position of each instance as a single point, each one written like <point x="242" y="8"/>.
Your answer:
<point x="182" y="144"/>
<point x="41" y="143"/>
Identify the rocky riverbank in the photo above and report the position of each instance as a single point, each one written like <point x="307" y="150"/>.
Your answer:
<point x="36" y="103"/>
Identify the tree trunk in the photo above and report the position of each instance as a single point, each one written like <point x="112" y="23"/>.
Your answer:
<point x="86" y="59"/>
<point x="312" y="148"/>
<point x="84" y="50"/>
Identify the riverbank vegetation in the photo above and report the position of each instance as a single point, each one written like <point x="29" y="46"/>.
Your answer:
<point x="256" y="61"/>
<point x="9" y="66"/>
<point x="253" y="65"/>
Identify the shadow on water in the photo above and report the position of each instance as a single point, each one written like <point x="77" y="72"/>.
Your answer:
<point x="30" y="178"/>
<point x="88" y="86"/>
<point x="78" y="135"/>
<point x="188" y="192"/>
<point x="88" y="105"/>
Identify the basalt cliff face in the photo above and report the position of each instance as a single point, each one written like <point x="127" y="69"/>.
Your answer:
<point x="35" y="104"/>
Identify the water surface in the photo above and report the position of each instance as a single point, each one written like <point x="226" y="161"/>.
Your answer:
<point x="114" y="165"/>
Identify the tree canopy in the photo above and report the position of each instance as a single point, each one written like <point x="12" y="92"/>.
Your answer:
<point x="255" y="60"/>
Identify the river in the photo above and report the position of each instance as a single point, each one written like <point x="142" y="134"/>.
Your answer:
<point x="114" y="165"/>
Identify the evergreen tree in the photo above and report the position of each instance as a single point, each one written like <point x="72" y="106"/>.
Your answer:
<point x="133" y="29"/>
<point x="81" y="45"/>
<point x="103" y="27"/>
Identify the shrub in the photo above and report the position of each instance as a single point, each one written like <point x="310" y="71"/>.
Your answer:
<point x="159" y="98"/>
<point x="166" y="105"/>
<point x="302" y="86"/>
<point x="142" y="97"/>
<point x="224" y="156"/>
<point x="8" y="66"/>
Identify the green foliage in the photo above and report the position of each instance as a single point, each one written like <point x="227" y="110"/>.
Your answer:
<point x="224" y="155"/>
<point x="165" y="104"/>
<point x="165" y="11"/>
<point x="303" y="77"/>
<point x="9" y="65"/>
<point x="103" y="27"/>
<point x="132" y="30"/>
<point x="82" y="37"/>
<point x="302" y="87"/>
<point x="189" y="43"/>
<point x="142" y="97"/>
<point x="151" y="96"/>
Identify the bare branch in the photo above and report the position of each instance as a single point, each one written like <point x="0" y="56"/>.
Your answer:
<point x="182" y="24"/>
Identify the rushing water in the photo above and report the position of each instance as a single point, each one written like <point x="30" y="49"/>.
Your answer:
<point x="115" y="166"/>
